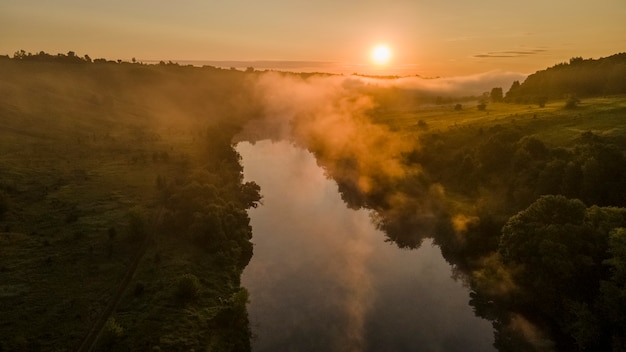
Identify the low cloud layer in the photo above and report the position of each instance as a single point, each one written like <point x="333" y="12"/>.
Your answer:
<point x="460" y="86"/>
<point x="510" y="53"/>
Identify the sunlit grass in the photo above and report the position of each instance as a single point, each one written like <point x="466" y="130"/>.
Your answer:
<point x="554" y="124"/>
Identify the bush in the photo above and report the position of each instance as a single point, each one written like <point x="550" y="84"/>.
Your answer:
<point x="541" y="101"/>
<point x="422" y="125"/>
<point x="187" y="287"/>
<point x="572" y="102"/>
<point x="112" y="335"/>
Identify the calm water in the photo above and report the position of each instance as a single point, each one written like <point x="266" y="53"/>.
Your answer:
<point x="323" y="279"/>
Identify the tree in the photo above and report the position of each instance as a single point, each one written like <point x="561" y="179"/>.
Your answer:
<point x="572" y="102"/>
<point x="551" y="242"/>
<point x="251" y="194"/>
<point x="541" y="101"/>
<point x="613" y="290"/>
<point x="21" y="54"/>
<point x="576" y="60"/>
<point x="513" y="92"/>
<point x="496" y="95"/>
<point x="559" y="251"/>
<point x="187" y="287"/>
<point x="112" y="336"/>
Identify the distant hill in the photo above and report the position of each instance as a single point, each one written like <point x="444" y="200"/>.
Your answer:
<point x="580" y="77"/>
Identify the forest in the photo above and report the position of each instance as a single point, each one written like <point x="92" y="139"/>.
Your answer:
<point x="579" y="78"/>
<point x="123" y="203"/>
<point x="124" y="223"/>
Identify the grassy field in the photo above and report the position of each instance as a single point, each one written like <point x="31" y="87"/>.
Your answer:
<point x="553" y="124"/>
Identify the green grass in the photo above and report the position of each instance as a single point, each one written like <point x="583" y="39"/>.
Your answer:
<point x="555" y="125"/>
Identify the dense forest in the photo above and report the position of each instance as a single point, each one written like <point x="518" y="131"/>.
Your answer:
<point x="123" y="205"/>
<point x="579" y="78"/>
<point x="555" y="229"/>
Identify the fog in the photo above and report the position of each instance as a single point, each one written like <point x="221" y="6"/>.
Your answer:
<point x="455" y="86"/>
<point x="330" y="116"/>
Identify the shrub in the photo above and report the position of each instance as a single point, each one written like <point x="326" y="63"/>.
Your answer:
<point x="572" y="102"/>
<point x="541" y="101"/>
<point x="423" y="125"/>
<point x="187" y="287"/>
<point x="112" y="335"/>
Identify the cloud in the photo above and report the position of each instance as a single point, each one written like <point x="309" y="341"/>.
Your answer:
<point x="510" y="53"/>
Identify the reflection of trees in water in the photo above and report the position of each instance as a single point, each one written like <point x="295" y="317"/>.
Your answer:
<point x="545" y="271"/>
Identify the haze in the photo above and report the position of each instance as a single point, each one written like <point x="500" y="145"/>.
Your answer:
<point x="428" y="38"/>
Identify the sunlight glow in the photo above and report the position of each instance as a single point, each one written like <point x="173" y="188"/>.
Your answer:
<point x="381" y="54"/>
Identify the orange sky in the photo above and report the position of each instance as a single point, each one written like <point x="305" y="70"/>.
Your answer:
<point x="428" y="37"/>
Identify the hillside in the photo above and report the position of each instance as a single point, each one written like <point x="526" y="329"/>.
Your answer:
<point x="115" y="183"/>
<point x="580" y="77"/>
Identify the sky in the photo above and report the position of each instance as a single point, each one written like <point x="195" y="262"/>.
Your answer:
<point x="427" y="37"/>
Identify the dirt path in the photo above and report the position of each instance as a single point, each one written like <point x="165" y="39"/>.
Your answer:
<point x="90" y="341"/>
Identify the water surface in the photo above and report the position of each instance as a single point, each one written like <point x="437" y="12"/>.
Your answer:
<point x="322" y="278"/>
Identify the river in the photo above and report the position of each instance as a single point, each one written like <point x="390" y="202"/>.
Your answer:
<point x="322" y="278"/>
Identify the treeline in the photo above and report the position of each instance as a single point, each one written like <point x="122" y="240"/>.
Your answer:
<point x="522" y="167"/>
<point x="208" y="207"/>
<point x="69" y="57"/>
<point x="159" y="139"/>
<point x="580" y="77"/>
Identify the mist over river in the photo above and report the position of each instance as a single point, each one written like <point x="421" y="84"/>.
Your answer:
<point x="322" y="277"/>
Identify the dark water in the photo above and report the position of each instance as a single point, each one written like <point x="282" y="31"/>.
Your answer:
<point x="323" y="279"/>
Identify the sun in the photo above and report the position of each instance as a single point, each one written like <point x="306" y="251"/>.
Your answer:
<point x="381" y="54"/>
